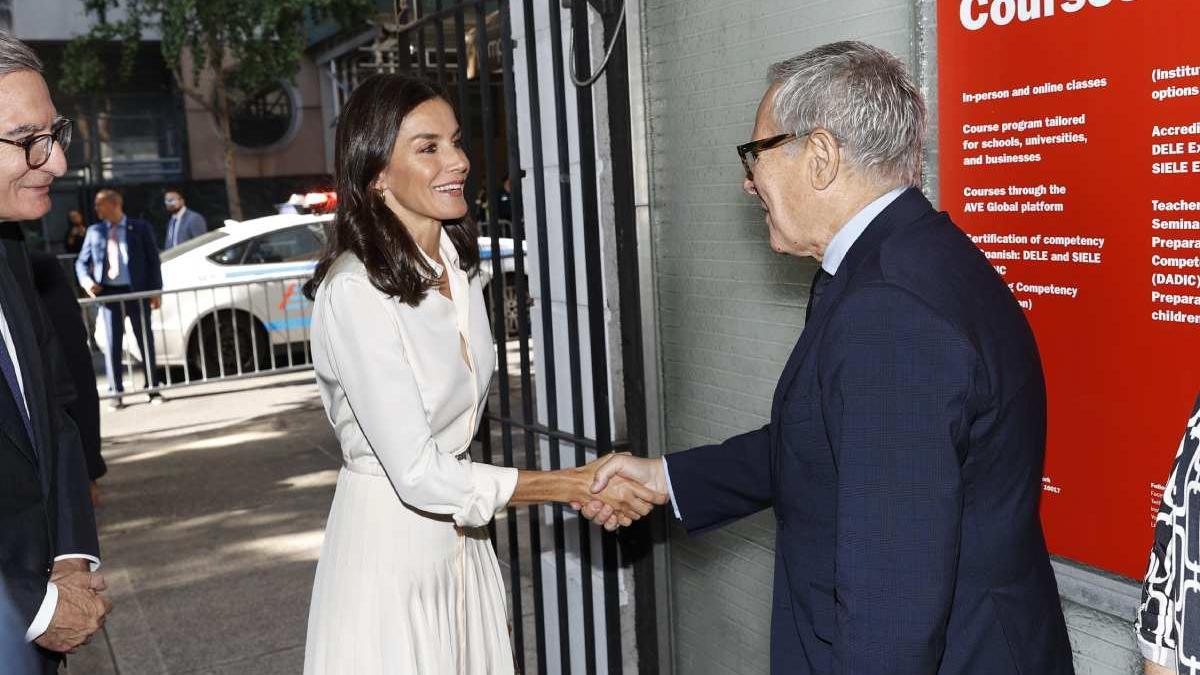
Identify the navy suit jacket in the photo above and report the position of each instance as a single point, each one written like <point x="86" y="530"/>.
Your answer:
<point x="145" y="272"/>
<point x="903" y="459"/>
<point x="45" y="507"/>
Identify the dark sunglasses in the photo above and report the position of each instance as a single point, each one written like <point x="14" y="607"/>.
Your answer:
<point x="749" y="152"/>
<point x="38" y="148"/>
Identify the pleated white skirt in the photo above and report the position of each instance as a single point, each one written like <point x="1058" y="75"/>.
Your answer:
<point x="401" y="591"/>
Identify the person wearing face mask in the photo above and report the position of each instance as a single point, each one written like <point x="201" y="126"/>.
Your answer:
<point x="184" y="223"/>
<point x="407" y="580"/>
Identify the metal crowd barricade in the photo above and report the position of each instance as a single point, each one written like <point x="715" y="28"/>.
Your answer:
<point x="209" y="333"/>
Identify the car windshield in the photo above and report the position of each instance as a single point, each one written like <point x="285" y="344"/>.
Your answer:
<point x="191" y="244"/>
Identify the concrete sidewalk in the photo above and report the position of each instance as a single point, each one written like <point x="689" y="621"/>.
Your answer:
<point x="211" y="521"/>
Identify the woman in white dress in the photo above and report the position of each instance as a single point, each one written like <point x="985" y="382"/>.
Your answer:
<point x="407" y="581"/>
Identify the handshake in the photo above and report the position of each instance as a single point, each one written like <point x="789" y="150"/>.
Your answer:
<point x="622" y="489"/>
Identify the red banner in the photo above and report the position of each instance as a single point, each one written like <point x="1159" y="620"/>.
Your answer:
<point x="1069" y="136"/>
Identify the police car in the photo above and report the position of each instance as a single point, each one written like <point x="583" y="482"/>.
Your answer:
<point x="233" y="298"/>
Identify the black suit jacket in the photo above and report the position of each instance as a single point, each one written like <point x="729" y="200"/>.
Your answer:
<point x="62" y="309"/>
<point x="45" y="507"/>
<point x="903" y="459"/>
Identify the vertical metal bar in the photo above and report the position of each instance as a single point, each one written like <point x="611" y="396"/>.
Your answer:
<point x="519" y="234"/>
<point x="595" y="300"/>
<point x="306" y="310"/>
<point x="143" y="318"/>
<point x="638" y="540"/>
<point x="237" y="347"/>
<point x="287" y="320"/>
<point x="253" y="333"/>
<point x="549" y="370"/>
<point x="439" y="41"/>
<point x="498" y="310"/>
<point x="266" y="298"/>
<point x="162" y="329"/>
<point x="464" y="108"/>
<point x="572" y="309"/>
<point x="217" y="325"/>
<point x="420" y="39"/>
<point x="126" y="358"/>
<point x="199" y="332"/>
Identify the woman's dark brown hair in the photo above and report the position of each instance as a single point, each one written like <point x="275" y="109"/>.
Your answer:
<point x="364" y="225"/>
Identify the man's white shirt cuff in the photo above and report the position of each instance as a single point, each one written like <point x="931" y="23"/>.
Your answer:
<point x="41" y="621"/>
<point x="93" y="561"/>
<point x="45" y="613"/>
<point x="671" y="490"/>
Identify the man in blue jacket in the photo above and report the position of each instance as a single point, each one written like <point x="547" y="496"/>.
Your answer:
<point x="903" y="458"/>
<point x="120" y="256"/>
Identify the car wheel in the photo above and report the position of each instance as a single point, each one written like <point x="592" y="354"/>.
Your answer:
<point x="229" y="343"/>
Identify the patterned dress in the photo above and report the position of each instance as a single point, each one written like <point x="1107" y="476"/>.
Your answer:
<point x="1172" y="583"/>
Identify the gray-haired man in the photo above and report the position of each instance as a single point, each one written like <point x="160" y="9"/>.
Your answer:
<point x="904" y="453"/>
<point x="48" y="544"/>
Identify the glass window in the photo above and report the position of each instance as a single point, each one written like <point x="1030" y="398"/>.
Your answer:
<point x="263" y="118"/>
<point x="290" y="245"/>
<point x="191" y="244"/>
<point x="232" y="255"/>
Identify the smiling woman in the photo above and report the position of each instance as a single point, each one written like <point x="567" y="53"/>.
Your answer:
<point x="408" y="581"/>
<point x="398" y="156"/>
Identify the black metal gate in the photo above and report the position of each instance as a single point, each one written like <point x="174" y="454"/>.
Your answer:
<point x="468" y="48"/>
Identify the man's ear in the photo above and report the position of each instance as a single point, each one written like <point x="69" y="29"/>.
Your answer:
<point x="825" y="160"/>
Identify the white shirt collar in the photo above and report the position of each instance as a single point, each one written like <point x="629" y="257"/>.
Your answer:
<point x="840" y="245"/>
<point x="446" y="248"/>
<point x="179" y="214"/>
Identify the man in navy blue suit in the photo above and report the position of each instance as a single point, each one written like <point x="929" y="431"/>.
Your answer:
<point x="120" y="256"/>
<point x="903" y="457"/>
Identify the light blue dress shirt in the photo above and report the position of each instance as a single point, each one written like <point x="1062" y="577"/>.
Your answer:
<point x="123" y="244"/>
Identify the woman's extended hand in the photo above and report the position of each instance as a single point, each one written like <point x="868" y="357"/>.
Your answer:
<point x="623" y="500"/>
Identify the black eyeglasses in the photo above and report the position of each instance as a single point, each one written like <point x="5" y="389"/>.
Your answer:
<point x="39" y="148"/>
<point x="749" y="152"/>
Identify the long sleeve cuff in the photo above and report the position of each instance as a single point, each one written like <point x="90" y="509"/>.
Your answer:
<point x="494" y="486"/>
<point x="41" y="621"/>
<point x="671" y="490"/>
<point x="93" y="561"/>
<point x="1163" y="656"/>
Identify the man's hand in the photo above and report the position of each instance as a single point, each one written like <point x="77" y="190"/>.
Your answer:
<point x="94" y="289"/>
<point x="621" y="499"/>
<point x="620" y="468"/>
<point x="77" y="572"/>
<point x="155" y="301"/>
<point x="77" y="616"/>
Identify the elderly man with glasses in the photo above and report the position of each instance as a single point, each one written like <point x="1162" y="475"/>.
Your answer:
<point x="48" y="544"/>
<point x="903" y="458"/>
